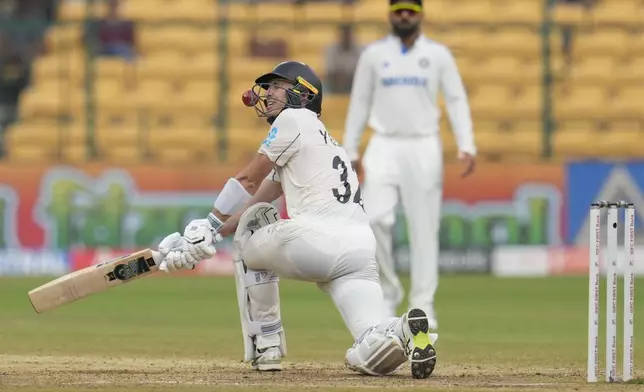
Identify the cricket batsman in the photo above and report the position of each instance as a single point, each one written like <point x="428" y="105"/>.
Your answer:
<point x="395" y="90"/>
<point x="327" y="240"/>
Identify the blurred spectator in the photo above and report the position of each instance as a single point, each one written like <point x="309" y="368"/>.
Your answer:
<point x="341" y="59"/>
<point x="115" y="36"/>
<point x="567" y="31"/>
<point x="24" y="23"/>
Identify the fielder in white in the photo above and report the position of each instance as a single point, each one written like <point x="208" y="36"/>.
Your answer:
<point x="327" y="240"/>
<point x="395" y="90"/>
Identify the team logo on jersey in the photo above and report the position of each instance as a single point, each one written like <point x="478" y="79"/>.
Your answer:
<point x="272" y="134"/>
<point x="423" y="63"/>
<point x="385" y="64"/>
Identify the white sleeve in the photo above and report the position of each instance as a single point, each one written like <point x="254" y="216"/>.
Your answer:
<point x="359" y="104"/>
<point x="456" y="100"/>
<point x="274" y="175"/>
<point x="283" y="139"/>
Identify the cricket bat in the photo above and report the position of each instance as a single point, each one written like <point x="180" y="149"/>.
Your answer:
<point x="94" y="279"/>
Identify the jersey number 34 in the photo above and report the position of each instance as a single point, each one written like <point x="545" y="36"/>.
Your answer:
<point x="344" y="198"/>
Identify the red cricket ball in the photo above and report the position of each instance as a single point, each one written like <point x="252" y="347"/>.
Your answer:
<point x="249" y="98"/>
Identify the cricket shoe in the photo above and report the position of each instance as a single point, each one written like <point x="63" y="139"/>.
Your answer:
<point x="415" y="331"/>
<point x="269" y="359"/>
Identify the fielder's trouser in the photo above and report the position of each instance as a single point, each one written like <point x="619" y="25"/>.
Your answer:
<point x="409" y="170"/>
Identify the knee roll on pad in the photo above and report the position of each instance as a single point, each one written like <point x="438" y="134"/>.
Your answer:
<point x="376" y="354"/>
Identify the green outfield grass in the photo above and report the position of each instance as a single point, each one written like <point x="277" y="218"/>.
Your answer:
<point x="182" y="333"/>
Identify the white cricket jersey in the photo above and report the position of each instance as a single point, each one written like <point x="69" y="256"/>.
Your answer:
<point x="396" y="91"/>
<point x="314" y="170"/>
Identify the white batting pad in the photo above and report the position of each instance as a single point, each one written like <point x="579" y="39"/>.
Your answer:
<point x="257" y="291"/>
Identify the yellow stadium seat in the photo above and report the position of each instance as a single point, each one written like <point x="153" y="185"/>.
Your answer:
<point x="524" y="11"/>
<point x="201" y="142"/>
<point x="32" y="153"/>
<point x="122" y="154"/>
<point x="193" y="10"/>
<point x="636" y="44"/>
<point x="267" y="12"/>
<point x="108" y="137"/>
<point x="74" y="153"/>
<point x="61" y="67"/>
<point x="176" y="37"/>
<point x="475" y="11"/>
<point x="607" y="42"/>
<point x="593" y="70"/>
<point x="621" y="125"/>
<point x="631" y="72"/>
<point x="368" y="11"/>
<point x="197" y="98"/>
<point x="524" y="43"/>
<point x="144" y="10"/>
<point x="527" y="103"/>
<point x="314" y="39"/>
<point x="64" y="37"/>
<point x="462" y="41"/>
<point x="155" y="94"/>
<point x="79" y="10"/>
<point x="239" y="40"/>
<point x="628" y="103"/>
<point x="332" y="12"/>
<point x="50" y="100"/>
<point x="571" y="14"/>
<point x="367" y="34"/>
<point x="490" y="101"/>
<point x="176" y="155"/>
<point x="581" y="102"/>
<point x="247" y="138"/>
<point x="161" y="65"/>
<point x="598" y="144"/>
<point x="625" y="12"/>
<point x="240" y="12"/>
<point x="246" y="118"/>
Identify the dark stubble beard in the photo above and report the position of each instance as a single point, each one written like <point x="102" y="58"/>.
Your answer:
<point x="405" y="30"/>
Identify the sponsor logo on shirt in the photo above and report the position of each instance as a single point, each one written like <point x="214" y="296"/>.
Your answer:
<point x="272" y="134"/>
<point x="413" y="81"/>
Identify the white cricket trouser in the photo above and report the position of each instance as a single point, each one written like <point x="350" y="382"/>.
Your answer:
<point x="338" y="257"/>
<point x="409" y="170"/>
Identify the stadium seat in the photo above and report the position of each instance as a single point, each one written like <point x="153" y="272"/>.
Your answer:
<point x="593" y="70"/>
<point x="625" y="12"/>
<point x="201" y="143"/>
<point x="462" y="11"/>
<point x="630" y="73"/>
<point x="627" y="104"/>
<point x="193" y="10"/>
<point x="145" y="10"/>
<point x="122" y="154"/>
<point x="64" y="37"/>
<point x="521" y="11"/>
<point x="604" y="41"/>
<point x="365" y="11"/>
<point x="112" y="136"/>
<point x="327" y="12"/>
<point x="79" y="10"/>
<point x="490" y="101"/>
<point x="518" y="42"/>
<point x="271" y="12"/>
<point x="197" y="98"/>
<point x="581" y="102"/>
<point x="527" y="103"/>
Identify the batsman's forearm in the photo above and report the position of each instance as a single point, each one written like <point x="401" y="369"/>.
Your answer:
<point x="216" y="217"/>
<point x="268" y="192"/>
